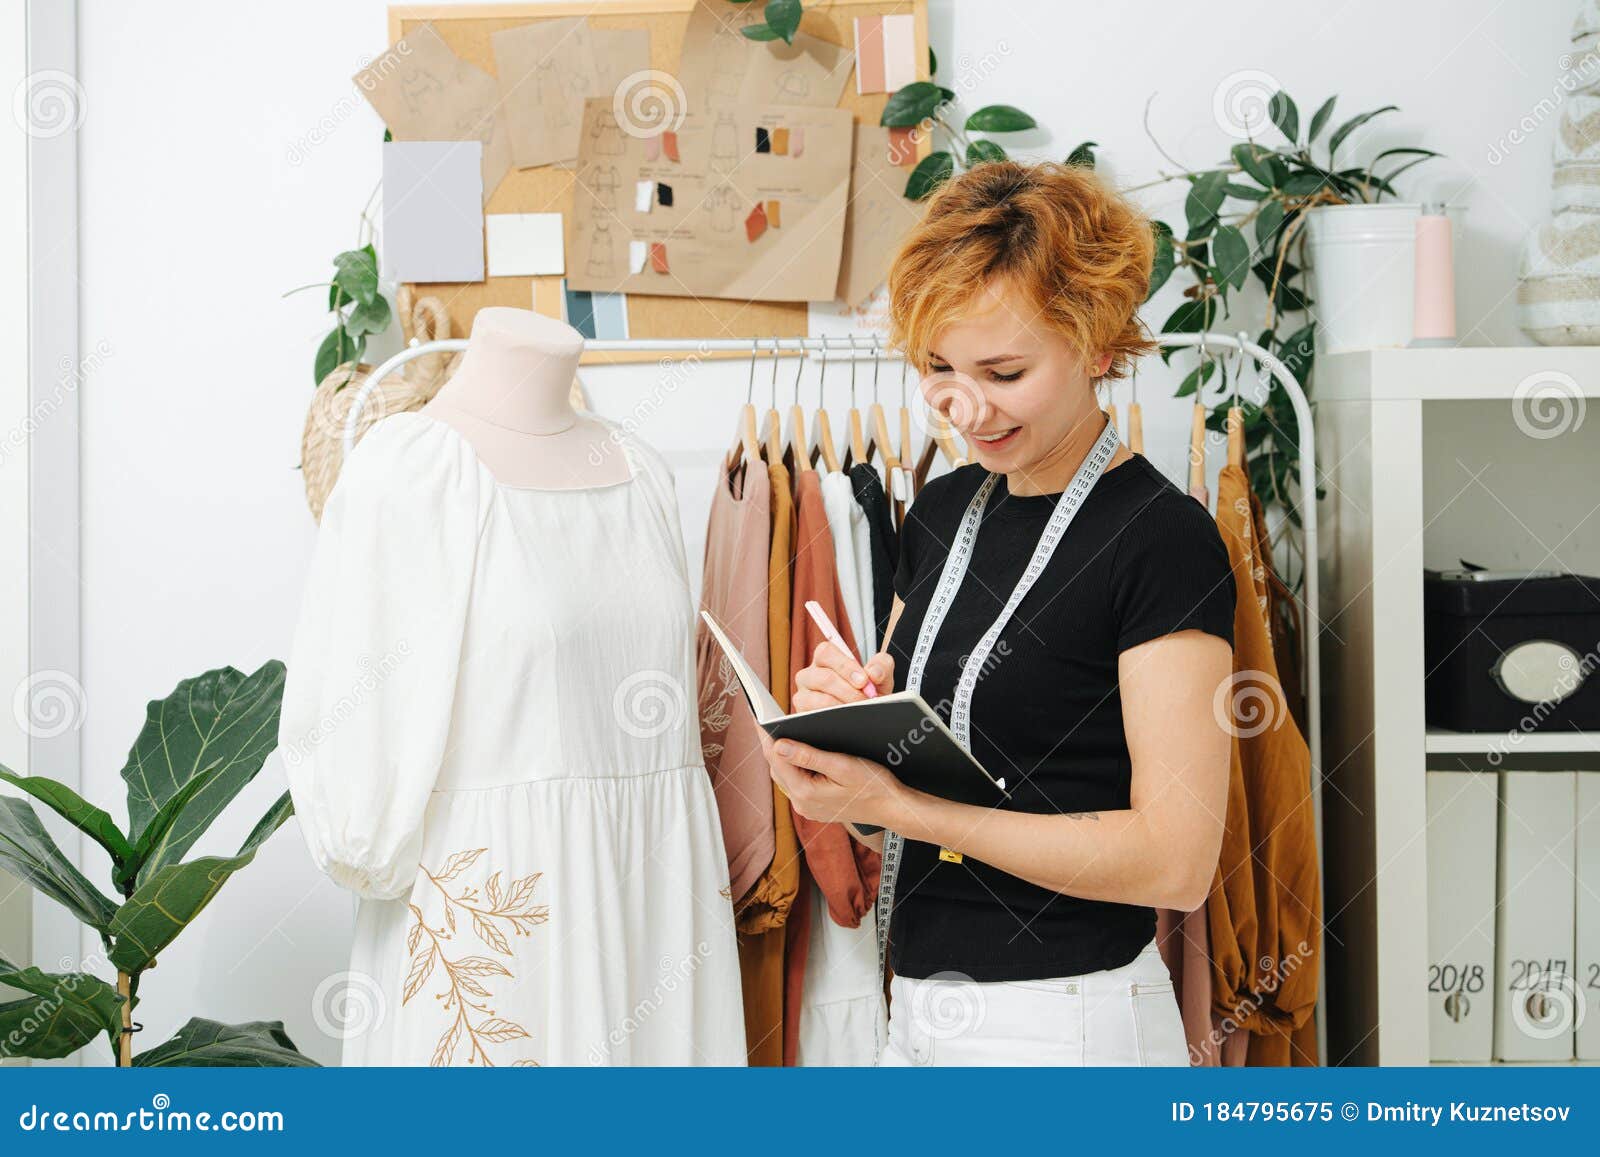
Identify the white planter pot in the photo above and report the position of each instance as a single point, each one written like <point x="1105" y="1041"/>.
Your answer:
<point x="1361" y="261"/>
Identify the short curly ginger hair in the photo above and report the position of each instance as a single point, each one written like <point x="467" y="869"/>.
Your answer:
<point x="1078" y="250"/>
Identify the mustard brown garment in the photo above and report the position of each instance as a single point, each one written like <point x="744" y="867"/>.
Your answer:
<point x="764" y="916"/>
<point x="1275" y="767"/>
<point x="733" y="590"/>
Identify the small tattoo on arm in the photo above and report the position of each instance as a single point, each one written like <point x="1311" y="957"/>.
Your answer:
<point x="1083" y="815"/>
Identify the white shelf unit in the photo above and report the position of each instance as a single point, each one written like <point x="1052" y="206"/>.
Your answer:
<point x="1427" y="457"/>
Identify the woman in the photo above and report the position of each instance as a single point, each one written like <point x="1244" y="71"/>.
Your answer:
<point x="1024" y="933"/>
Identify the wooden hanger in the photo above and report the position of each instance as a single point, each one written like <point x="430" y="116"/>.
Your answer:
<point x="799" y="448"/>
<point x="907" y="452"/>
<point x="1236" y="412"/>
<point x="857" y="450"/>
<point x="772" y="428"/>
<point x="940" y="441"/>
<point x="746" y="446"/>
<point x="1197" y="435"/>
<point x="880" y="422"/>
<point x="1135" y="415"/>
<point x="821" y="426"/>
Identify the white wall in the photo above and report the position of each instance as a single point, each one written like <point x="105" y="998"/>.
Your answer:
<point x="195" y="220"/>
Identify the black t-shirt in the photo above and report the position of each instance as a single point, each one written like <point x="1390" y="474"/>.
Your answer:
<point x="1140" y="560"/>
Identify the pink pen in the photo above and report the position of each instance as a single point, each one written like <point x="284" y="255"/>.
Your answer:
<point x="831" y="633"/>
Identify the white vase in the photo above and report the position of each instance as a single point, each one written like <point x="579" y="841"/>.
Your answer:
<point x="1361" y="261"/>
<point x="1558" y="287"/>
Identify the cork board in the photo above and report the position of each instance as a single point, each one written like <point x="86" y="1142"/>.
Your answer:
<point x="466" y="28"/>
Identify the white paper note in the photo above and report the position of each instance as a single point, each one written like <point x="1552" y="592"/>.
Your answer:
<point x="525" y="245"/>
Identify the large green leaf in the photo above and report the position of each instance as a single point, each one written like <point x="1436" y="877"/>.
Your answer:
<point x="357" y="273"/>
<point x="1281" y="108"/>
<point x="980" y="151"/>
<point x="1206" y="193"/>
<point x="1083" y="155"/>
<point x="369" y="317"/>
<point x="77" y="811"/>
<point x="931" y="172"/>
<point x="167" y="900"/>
<point x="1165" y="258"/>
<point x="224" y="722"/>
<point x="29" y="852"/>
<point x="1000" y="118"/>
<point x="783" y="17"/>
<point x="1351" y="125"/>
<point x="201" y="1042"/>
<point x="156" y="830"/>
<point x="1320" y="118"/>
<point x="63" y="1012"/>
<point x="912" y="104"/>
<point x="1230" y="254"/>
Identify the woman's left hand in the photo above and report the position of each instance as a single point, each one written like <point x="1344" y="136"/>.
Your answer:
<point x="833" y="788"/>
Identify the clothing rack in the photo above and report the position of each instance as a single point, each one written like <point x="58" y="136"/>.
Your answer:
<point x="1205" y="342"/>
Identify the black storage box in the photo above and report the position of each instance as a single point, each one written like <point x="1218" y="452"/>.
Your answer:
<point x="1515" y="654"/>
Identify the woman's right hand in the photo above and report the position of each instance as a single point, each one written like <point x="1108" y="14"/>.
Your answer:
<point x="835" y="678"/>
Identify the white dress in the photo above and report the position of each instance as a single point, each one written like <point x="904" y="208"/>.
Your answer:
<point x="490" y="734"/>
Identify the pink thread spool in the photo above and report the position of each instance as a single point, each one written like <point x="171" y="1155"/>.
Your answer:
<point x="1433" y="313"/>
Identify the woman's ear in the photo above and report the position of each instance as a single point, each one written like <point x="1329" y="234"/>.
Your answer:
<point x="1099" y="366"/>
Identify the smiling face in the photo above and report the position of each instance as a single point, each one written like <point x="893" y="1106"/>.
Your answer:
<point x="1016" y="388"/>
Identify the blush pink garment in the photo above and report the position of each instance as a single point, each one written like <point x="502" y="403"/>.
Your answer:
<point x="734" y="590"/>
<point x="1185" y="941"/>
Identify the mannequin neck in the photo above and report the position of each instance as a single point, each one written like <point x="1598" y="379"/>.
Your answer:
<point x="507" y="381"/>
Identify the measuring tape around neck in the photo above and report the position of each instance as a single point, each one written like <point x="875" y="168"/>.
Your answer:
<point x="950" y="578"/>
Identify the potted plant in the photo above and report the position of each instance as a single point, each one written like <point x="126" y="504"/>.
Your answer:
<point x="199" y="747"/>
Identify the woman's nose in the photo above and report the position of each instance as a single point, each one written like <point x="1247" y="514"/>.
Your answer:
<point x="957" y="397"/>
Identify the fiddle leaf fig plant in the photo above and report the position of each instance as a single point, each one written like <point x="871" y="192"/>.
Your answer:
<point x="199" y="748"/>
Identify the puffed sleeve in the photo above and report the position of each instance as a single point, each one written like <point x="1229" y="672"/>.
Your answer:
<point x="372" y="669"/>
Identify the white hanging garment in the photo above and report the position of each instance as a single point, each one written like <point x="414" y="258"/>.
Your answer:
<point x="839" y="1002"/>
<point x="490" y="735"/>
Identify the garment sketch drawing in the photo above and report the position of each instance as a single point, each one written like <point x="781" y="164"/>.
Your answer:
<point x="602" y="251"/>
<point x="607" y="135"/>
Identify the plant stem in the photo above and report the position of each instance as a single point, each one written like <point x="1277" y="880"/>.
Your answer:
<point x="125" y="1043"/>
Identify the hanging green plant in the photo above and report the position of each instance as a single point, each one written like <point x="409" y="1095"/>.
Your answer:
<point x="781" y="23"/>
<point x="925" y="104"/>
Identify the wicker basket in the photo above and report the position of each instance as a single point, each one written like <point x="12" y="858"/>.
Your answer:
<point x="322" y="441"/>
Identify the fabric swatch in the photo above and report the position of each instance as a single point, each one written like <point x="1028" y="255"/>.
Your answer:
<point x="652" y="148"/>
<point x="433" y="210"/>
<point x="756" y="223"/>
<point x="669" y="144"/>
<point x="763" y="140"/>
<point x="524" y="244"/>
<point x="643" y="194"/>
<point x="772" y="214"/>
<point x="869" y="55"/>
<point x="903" y="145"/>
<point x="638" y="252"/>
<point x="664" y="195"/>
<point x="658" y="256"/>
<point x="797" y="141"/>
<point x="780" y="141"/>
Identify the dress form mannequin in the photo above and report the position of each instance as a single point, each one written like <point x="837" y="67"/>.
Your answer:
<point x="510" y="399"/>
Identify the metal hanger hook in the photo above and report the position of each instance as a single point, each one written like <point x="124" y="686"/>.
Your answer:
<point x="774" y="373"/>
<point x="750" y="389"/>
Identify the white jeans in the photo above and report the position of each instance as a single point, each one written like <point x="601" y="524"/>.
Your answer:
<point x="1121" y="1016"/>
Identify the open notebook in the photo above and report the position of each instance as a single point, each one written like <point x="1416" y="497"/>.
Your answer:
<point x="899" y="731"/>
